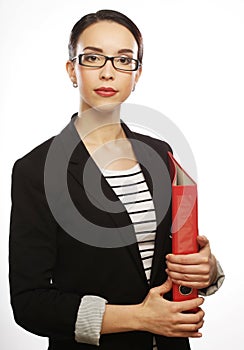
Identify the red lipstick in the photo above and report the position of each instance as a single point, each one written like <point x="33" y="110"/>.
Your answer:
<point x="105" y="91"/>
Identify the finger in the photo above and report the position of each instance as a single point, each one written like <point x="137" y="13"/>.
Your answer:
<point x="164" y="288"/>
<point x="187" y="259"/>
<point x="202" y="241"/>
<point x="188" y="277"/>
<point x="187" y="305"/>
<point x="188" y="334"/>
<point x="181" y="333"/>
<point x="192" y="327"/>
<point x="192" y="284"/>
<point x="199" y="269"/>
<point x="191" y="318"/>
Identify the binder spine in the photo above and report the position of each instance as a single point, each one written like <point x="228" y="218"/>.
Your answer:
<point x="184" y="221"/>
<point x="184" y="232"/>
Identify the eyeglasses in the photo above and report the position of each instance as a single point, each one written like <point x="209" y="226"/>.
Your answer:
<point x="122" y="63"/>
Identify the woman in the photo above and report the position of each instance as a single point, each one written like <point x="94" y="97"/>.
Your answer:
<point x="106" y="280"/>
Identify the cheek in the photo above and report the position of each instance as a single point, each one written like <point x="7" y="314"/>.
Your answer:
<point x="84" y="78"/>
<point x="128" y="84"/>
<point x="85" y="81"/>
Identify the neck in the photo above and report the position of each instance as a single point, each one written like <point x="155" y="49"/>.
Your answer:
<point x="99" y="127"/>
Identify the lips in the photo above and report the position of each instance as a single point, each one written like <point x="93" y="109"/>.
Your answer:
<point x="106" y="91"/>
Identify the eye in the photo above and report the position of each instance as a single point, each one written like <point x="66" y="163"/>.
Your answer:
<point x="124" y="60"/>
<point x="91" y="58"/>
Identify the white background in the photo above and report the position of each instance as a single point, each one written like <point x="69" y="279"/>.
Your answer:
<point x="193" y="74"/>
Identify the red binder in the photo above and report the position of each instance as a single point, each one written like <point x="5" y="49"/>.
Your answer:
<point x="184" y="221"/>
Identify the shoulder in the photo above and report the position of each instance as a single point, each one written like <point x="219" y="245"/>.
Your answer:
<point x="158" y="144"/>
<point x="33" y="161"/>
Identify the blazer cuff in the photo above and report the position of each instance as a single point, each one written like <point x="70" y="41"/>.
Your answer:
<point x="89" y="319"/>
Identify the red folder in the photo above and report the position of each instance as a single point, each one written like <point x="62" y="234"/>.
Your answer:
<point x="184" y="221"/>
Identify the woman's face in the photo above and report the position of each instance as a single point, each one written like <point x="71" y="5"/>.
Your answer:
<point x="110" y="39"/>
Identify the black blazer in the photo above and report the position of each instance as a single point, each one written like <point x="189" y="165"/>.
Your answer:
<point x="51" y="269"/>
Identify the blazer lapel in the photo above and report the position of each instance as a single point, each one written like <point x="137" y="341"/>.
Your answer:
<point x="154" y="165"/>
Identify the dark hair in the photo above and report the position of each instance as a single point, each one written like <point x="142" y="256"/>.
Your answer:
<point x="104" y="15"/>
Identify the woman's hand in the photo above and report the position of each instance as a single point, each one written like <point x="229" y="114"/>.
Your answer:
<point x="160" y="316"/>
<point x="197" y="270"/>
<point x="156" y="315"/>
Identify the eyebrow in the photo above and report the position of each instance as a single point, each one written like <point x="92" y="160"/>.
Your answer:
<point x="100" y="50"/>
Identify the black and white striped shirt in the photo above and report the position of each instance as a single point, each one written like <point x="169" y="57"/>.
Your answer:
<point x="131" y="188"/>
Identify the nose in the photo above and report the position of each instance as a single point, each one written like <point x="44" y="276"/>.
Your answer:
<point x="107" y="71"/>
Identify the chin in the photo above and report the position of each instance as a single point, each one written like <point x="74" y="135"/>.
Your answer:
<point x="107" y="107"/>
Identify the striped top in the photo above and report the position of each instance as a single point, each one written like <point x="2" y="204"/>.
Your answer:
<point x="131" y="188"/>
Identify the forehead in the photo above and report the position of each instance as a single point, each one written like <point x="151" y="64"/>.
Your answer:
<point x="108" y="36"/>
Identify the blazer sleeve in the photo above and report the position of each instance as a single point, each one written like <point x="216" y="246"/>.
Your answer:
<point x="38" y="306"/>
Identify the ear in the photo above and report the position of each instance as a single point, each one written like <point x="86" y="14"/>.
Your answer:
<point x="70" y="68"/>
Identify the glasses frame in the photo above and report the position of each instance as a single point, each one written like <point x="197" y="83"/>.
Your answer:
<point x="107" y="58"/>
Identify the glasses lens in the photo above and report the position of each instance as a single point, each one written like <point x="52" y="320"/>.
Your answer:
<point x="92" y="60"/>
<point x="125" y="63"/>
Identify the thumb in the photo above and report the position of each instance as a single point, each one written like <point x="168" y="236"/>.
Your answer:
<point x="202" y="241"/>
<point x="164" y="288"/>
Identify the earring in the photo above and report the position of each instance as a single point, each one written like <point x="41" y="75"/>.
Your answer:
<point x="75" y="85"/>
<point x="133" y="89"/>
